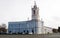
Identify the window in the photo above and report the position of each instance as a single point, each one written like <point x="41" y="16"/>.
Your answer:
<point x="34" y="11"/>
<point x="9" y="31"/>
<point x="32" y="31"/>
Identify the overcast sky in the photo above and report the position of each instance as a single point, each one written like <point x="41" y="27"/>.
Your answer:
<point x="20" y="10"/>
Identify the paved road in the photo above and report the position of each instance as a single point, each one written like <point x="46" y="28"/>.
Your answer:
<point x="31" y="36"/>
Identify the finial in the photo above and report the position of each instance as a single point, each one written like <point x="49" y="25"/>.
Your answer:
<point x="35" y="6"/>
<point x="34" y="2"/>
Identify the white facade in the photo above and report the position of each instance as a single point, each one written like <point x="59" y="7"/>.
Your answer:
<point x="34" y="26"/>
<point x="20" y="27"/>
<point x="47" y="30"/>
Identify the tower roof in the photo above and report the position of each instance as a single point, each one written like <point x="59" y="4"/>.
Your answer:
<point x="35" y="6"/>
<point x="34" y="2"/>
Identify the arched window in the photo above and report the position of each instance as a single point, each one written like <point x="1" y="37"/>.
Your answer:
<point x="34" y="11"/>
<point x="9" y="31"/>
<point x="27" y="32"/>
<point x="32" y="31"/>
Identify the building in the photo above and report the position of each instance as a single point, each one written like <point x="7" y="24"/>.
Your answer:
<point x="34" y="26"/>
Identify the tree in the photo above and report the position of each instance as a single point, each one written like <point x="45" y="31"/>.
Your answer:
<point x="54" y="30"/>
<point x="59" y="29"/>
<point x="3" y="28"/>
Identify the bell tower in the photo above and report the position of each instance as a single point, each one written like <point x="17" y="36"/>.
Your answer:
<point x="37" y="23"/>
<point x="35" y="12"/>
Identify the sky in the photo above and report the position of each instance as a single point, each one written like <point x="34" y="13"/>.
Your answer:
<point x="20" y="10"/>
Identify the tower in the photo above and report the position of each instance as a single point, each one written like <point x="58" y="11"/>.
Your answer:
<point x="37" y="22"/>
<point x="35" y="12"/>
